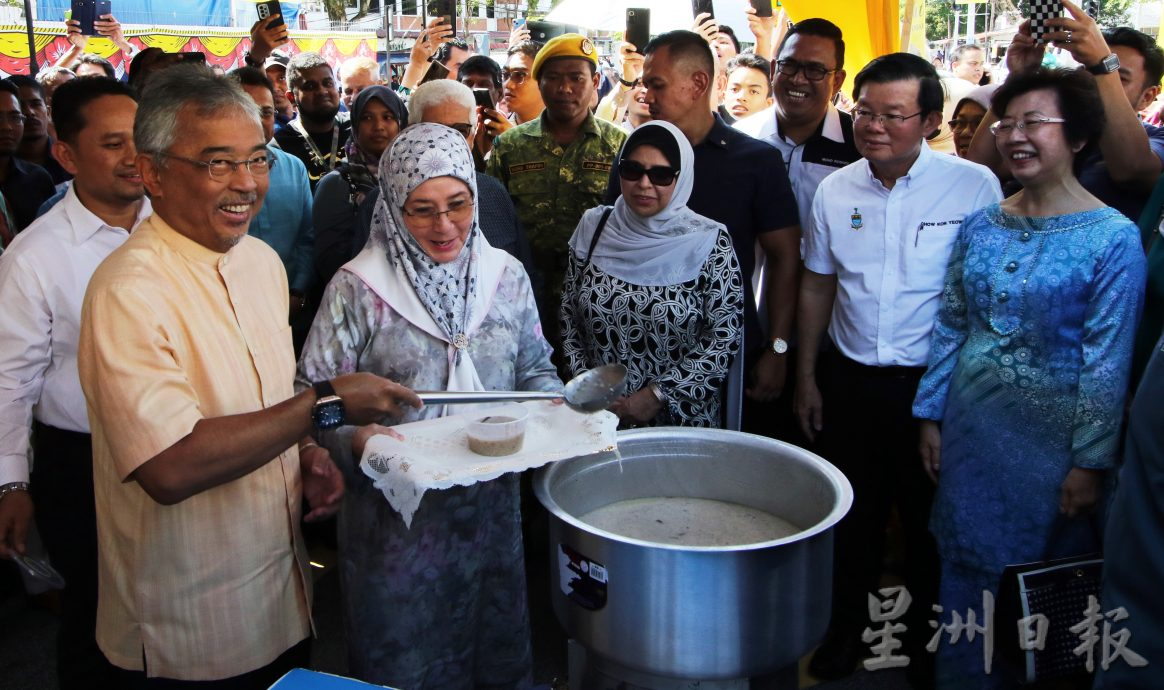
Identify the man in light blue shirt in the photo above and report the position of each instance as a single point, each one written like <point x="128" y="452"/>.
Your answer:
<point x="284" y="222"/>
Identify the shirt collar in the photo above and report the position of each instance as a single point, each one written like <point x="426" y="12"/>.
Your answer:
<point x="536" y="126"/>
<point x="719" y="134"/>
<point x="85" y="224"/>
<point x="829" y="126"/>
<point x="916" y="171"/>
<point x="185" y="246"/>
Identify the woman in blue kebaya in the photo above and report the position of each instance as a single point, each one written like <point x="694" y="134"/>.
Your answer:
<point x="1029" y="359"/>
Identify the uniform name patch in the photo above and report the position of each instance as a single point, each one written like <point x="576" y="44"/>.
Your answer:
<point x="527" y="167"/>
<point x="596" y="165"/>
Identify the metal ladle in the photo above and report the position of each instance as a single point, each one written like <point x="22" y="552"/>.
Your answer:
<point x="589" y="391"/>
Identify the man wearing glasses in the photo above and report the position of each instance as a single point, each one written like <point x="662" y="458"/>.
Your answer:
<point x="875" y="254"/>
<point x="814" y="137"/>
<point x="520" y="93"/>
<point x="186" y="363"/>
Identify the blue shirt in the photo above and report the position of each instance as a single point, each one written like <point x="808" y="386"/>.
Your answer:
<point x="27" y="186"/>
<point x="284" y="221"/>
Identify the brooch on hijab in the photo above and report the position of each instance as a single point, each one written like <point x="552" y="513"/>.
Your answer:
<point x="460" y="341"/>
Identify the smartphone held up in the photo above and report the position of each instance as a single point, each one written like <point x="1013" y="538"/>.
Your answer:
<point x="87" y="12"/>
<point x="446" y="10"/>
<point x="270" y="9"/>
<point x="638" y="27"/>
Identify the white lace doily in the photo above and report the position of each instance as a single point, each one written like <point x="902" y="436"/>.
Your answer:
<point x="435" y="453"/>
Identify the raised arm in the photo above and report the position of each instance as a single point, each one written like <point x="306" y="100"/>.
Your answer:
<point x="425" y="47"/>
<point x="1124" y="138"/>
<point x="176" y="452"/>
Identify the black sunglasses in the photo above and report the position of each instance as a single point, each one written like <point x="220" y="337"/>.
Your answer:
<point x="660" y="175"/>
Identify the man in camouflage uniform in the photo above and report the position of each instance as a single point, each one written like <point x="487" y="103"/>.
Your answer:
<point x="556" y="167"/>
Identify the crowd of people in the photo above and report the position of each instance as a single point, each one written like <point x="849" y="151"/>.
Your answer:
<point x="219" y="287"/>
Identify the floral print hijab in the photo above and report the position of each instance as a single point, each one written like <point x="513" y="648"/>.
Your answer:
<point x="447" y="291"/>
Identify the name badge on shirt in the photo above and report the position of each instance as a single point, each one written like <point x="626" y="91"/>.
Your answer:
<point x="596" y="165"/>
<point x="855" y="220"/>
<point x="527" y="167"/>
<point x="937" y="224"/>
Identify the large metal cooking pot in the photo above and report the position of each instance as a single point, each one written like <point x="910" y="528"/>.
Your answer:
<point x="706" y="613"/>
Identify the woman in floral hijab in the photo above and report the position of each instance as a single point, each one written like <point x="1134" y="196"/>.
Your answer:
<point x="429" y="304"/>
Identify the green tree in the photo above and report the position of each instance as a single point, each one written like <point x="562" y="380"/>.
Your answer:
<point x="939" y="20"/>
<point x="940" y="17"/>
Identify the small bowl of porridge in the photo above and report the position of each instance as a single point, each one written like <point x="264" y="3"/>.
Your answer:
<point x="500" y="432"/>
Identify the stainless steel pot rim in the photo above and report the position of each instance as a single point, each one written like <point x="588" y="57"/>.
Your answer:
<point x="835" y="477"/>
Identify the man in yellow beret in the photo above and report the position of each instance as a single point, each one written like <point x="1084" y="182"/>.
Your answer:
<point x="556" y="167"/>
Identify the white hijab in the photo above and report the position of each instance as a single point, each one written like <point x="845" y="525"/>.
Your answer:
<point x="667" y="248"/>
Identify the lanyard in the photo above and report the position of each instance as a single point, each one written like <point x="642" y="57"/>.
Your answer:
<point x="328" y="163"/>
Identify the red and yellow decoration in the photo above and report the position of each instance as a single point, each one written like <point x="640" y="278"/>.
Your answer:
<point x="224" y="48"/>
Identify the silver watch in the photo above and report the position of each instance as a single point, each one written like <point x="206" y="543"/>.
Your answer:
<point x="657" y="391"/>
<point x="778" y="346"/>
<point x="12" y="487"/>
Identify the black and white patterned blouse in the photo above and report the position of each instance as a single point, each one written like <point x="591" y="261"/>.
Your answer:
<point x="682" y="337"/>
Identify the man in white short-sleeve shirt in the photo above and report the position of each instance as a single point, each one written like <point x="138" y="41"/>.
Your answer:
<point x="875" y="256"/>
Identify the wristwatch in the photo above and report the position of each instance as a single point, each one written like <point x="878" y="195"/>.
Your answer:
<point x="1109" y="64"/>
<point x="328" y="412"/>
<point x="12" y="487"/>
<point x="778" y="346"/>
<point x="657" y="391"/>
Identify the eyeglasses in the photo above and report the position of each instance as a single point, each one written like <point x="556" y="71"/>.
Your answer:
<point x="1004" y="127"/>
<point x="965" y="124"/>
<point x="221" y="169"/>
<point x="659" y="175"/>
<point x="884" y="120"/>
<point x="517" y="75"/>
<point x="789" y="68"/>
<point x="13" y="118"/>
<point x="426" y="217"/>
